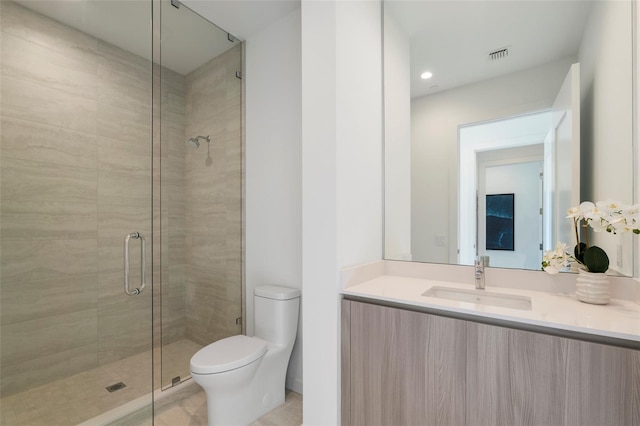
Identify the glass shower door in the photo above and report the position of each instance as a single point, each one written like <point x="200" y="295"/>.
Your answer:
<point x="75" y="182"/>
<point x="201" y="187"/>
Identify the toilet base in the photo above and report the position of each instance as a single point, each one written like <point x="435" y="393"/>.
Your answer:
<point x="220" y="413"/>
<point x="241" y="396"/>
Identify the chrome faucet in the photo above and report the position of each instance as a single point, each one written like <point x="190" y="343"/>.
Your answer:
<point x="479" y="267"/>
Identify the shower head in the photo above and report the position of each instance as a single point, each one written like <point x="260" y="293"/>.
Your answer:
<point x="195" y="142"/>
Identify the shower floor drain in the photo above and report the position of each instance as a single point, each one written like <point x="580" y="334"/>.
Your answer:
<point x="116" y="387"/>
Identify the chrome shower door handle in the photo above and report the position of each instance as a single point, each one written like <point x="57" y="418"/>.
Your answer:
<point x="143" y="261"/>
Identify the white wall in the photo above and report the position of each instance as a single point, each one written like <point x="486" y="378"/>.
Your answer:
<point x="636" y="257"/>
<point x="434" y="139"/>
<point x="273" y="218"/>
<point x="359" y="131"/>
<point x="341" y="178"/>
<point x="607" y="96"/>
<point x="397" y="142"/>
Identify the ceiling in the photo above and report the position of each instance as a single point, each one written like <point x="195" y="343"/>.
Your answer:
<point x="452" y="39"/>
<point x="243" y="18"/>
<point x="449" y="38"/>
<point x="188" y="40"/>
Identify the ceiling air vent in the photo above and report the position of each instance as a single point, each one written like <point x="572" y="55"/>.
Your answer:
<point x="501" y="53"/>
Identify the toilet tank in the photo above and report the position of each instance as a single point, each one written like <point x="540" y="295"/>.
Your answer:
<point x="276" y="313"/>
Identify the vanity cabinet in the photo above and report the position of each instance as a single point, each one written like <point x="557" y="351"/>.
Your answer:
<point x="401" y="367"/>
<point x="404" y="368"/>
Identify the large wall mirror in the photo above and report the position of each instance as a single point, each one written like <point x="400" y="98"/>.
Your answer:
<point x="499" y="116"/>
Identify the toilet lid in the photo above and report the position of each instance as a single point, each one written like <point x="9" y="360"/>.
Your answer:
<point x="227" y="354"/>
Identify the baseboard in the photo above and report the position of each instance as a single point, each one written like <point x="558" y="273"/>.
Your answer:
<point x="295" y="385"/>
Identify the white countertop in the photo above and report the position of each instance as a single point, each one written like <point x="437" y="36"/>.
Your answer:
<point x="619" y="319"/>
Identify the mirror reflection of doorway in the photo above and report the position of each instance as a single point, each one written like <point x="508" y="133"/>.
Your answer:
<point x="500" y="157"/>
<point x="519" y="172"/>
<point x="557" y="131"/>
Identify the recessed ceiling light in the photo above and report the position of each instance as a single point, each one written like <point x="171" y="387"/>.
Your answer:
<point x="425" y="75"/>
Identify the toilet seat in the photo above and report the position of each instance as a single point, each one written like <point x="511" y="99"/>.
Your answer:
<point x="227" y="354"/>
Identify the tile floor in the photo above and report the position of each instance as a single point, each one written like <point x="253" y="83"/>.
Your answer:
<point x="81" y="397"/>
<point x="192" y="411"/>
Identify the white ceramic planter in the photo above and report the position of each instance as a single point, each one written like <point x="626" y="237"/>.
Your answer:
<point x="593" y="288"/>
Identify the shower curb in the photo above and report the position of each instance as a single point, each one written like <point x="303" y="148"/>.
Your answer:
<point x="126" y="414"/>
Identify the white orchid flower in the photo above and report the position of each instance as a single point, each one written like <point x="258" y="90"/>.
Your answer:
<point x="590" y="212"/>
<point x="618" y="223"/>
<point x="631" y="215"/>
<point x="610" y="206"/>
<point x="557" y="259"/>
<point x="561" y="249"/>
<point x="574" y="212"/>
<point x="599" y="224"/>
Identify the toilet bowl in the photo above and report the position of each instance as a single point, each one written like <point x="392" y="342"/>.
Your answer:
<point x="243" y="377"/>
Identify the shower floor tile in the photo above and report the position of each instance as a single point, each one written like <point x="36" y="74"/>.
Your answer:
<point x="78" y="398"/>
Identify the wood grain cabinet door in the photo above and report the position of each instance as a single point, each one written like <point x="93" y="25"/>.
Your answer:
<point x="522" y="378"/>
<point x="405" y="368"/>
<point x="603" y="385"/>
<point x="514" y="377"/>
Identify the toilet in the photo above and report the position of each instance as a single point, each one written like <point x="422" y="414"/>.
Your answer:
<point x="243" y="377"/>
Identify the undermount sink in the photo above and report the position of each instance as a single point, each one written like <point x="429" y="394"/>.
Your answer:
<point x="480" y="297"/>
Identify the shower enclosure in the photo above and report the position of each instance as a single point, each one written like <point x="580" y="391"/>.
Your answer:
<point x="121" y="162"/>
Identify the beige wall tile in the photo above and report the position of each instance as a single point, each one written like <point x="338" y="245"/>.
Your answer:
<point x="173" y="101"/>
<point x="24" y="23"/>
<point x="31" y="61"/>
<point x="29" y="340"/>
<point x="31" y="101"/>
<point x="24" y="301"/>
<point x="110" y="254"/>
<point x="32" y="260"/>
<point x="115" y="221"/>
<point x="212" y="284"/>
<point x="115" y="94"/>
<point x="27" y="140"/>
<point x="213" y="290"/>
<point x="203" y="109"/>
<point x="122" y="67"/>
<point x="125" y="125"/>
<point x="174" y="134"/>
<point x="35" y="219"/>
<point x="138" y="148"/>
<point x="46" y="181"/>
<point x="173" y="319"/>
<point x="47" y="368"/>
<point x="176" y="248"/>
<point x="210" y="319"/>
<point x="172" y="80"/>
<point x="124" y="157"/>
<point x="124" y="327"/>
<point x="128" y="190"/>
